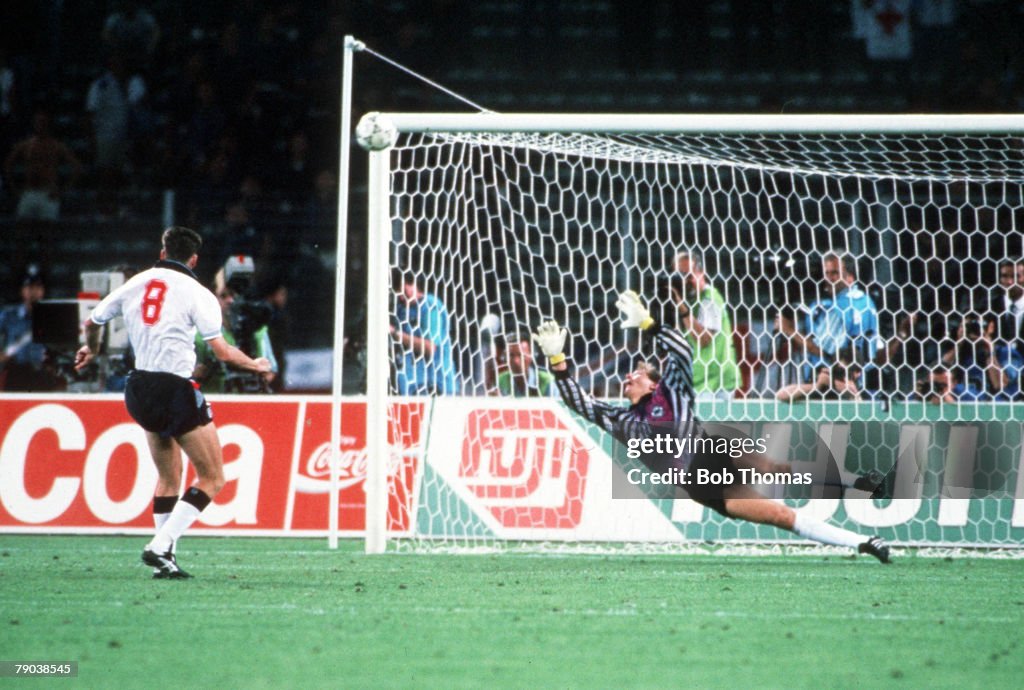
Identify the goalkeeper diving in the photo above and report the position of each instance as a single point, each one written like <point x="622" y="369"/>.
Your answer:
<point x="662" y="402"/>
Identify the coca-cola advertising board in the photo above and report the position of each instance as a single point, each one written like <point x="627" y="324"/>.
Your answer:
<point x="79" y="464"/>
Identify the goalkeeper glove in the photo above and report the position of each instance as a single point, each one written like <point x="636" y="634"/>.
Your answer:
<point x="550" y="338"/>
<point x="634" y="313"/>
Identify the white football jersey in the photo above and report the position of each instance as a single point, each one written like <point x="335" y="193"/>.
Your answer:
<point x="163" y="308"/>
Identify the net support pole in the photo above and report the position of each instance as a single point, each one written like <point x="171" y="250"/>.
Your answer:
<point x="377" y="352"/>
<point x="351" y="45"/>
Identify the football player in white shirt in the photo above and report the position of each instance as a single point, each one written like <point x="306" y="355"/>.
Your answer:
<point x="163" y="307"/>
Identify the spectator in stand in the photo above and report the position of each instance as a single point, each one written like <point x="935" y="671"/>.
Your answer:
<point x="844" y="317"/>
<point x="521" y="378"/>
<point x="777" y="368"/>
<point x="23" y="363"/>
<point x="1006" y="304"/>
<point x="39" y="158"/>
<point x="986" y="370"/>
<point x="911" y="346"/>
<point x="704" y="318"/>
<point x="37" y="161"/>
<point x="131" y="31"/>
<point x="110" y="101"/>
<point x="426" y="366"/>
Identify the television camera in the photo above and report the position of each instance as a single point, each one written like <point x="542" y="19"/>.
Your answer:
<point x="246" y="316"/>
<point x="57" y="325"/>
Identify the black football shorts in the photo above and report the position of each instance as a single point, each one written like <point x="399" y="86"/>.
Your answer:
<point x="711" y="494"/>
<point x="166" y="404"/>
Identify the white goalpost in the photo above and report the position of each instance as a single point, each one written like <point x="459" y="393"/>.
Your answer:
<point x="500" y="220"/>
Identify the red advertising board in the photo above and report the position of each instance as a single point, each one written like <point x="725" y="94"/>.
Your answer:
<point x="80" y="464"/>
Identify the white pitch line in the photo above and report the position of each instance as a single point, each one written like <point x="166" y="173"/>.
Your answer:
<point x="684" y="614"/>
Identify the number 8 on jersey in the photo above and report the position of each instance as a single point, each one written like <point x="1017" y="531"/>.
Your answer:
<point x="153" y="301"/>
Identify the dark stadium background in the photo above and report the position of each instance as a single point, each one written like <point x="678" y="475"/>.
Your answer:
<point x="542" y="55"/>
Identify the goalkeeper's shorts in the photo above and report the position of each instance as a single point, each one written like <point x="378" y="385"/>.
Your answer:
<point x="711" y="494"/>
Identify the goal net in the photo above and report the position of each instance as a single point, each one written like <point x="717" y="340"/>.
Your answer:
<point x="857" y="279"/>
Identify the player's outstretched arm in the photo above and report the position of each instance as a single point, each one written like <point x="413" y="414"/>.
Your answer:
<point x="550" y="339"/>
<point x="229" y="354"/>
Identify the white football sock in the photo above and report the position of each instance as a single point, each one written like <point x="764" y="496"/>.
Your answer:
<point x="158" y="521"/>
<point x="826" y="533"/>
<point x="179" y="520"/>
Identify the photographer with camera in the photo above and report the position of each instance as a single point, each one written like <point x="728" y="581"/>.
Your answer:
<point x="935" y="387"/>
<point x="985" y="369"/>
<point x="245" y="321"/>
<point x="839" y="381"/>
<point x="703" y="317"/>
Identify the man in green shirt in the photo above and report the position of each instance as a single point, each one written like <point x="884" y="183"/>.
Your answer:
<point x="704" y="318"/>
<point x="520" y="378"/>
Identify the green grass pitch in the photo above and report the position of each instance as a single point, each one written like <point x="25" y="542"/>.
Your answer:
<point x="290" y="613"/>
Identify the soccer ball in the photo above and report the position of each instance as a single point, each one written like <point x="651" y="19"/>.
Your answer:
<point x="375" y="132"/>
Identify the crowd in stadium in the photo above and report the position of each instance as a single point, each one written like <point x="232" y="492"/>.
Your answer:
<point x="970" y="353"/>
<point x="831" y="348"/>
<point x="115" y="115"/>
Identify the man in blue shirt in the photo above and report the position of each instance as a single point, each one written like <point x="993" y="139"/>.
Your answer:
<point x="21" y="360"/>
<point x="426" y="365"/>
<point x="844" y="317"/>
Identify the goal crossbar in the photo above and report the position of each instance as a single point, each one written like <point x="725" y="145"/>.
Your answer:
<point x="824" y="123"/>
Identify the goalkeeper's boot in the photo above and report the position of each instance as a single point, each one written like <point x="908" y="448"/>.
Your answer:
<point x="871" y="483"/>
<point x="166" y="565"/>
<point x="876" y="546"/>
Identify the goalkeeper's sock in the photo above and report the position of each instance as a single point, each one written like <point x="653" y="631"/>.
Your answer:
<point x="185" y="512"/>
<point x="826" y="533"/>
